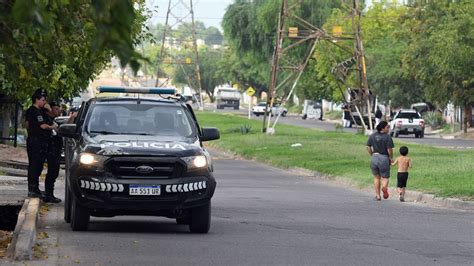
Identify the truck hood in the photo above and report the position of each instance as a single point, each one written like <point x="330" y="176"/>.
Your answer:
<point x="116" y="145"/>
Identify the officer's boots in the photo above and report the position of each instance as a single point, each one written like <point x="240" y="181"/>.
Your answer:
<point x="34" y="192"/>
<point x="49" y="197"/>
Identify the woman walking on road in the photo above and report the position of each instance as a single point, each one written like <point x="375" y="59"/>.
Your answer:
<point x="380" y="147"/>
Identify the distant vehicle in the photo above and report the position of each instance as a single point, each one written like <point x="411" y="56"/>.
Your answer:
<point x="61" y="120"/>
<point x="279" y="110"/>
<point x="228" y="97"/>
<point x="352" y="96"/>
<point x="422" y="107"/>
<point x="259" y="109"/>
<point x="312" y="110"/>
<point x="406" y="122"/>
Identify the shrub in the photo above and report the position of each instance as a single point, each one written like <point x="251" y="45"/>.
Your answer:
<point x="434" y="119"/>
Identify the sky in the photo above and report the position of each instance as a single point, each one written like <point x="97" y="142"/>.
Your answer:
<point x="210" y="12"/>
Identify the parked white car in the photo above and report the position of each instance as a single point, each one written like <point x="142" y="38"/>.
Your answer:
<point x="259" y="109"/>
<point x="406" y="122"/>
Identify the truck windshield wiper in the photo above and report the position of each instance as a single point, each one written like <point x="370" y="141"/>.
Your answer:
<point x="103" y="132"/>
<point x="136" y="133"/>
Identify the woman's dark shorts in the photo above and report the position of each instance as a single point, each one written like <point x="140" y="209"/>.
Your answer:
<point x="380" y="165"/>
<point x="402" y="178"/>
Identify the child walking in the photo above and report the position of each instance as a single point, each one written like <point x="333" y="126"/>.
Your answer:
<point x="404" y="162"/>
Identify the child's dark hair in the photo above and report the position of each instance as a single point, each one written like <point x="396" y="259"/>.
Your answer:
<point x="404" y="150"/>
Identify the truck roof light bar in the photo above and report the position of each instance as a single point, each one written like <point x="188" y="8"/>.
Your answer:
<point x="144" y="90"/>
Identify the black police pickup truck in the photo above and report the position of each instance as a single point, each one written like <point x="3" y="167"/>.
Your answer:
<point x="138" y="156"/>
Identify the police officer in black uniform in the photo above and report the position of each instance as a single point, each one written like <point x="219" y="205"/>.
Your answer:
<point x="39" y="133"/>
<point x="53" y="155"/>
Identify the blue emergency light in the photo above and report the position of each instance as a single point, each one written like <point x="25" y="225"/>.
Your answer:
<point x="145" y="90"/>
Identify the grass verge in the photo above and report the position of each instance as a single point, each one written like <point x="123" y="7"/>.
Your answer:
<point x="443" y="172"/>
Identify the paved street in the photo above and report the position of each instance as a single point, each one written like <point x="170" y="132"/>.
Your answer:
<point x="329" y="126"/>
<point x="265" y="216"/>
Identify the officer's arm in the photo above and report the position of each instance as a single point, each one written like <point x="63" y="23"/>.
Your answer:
<point x="48" y="127"/>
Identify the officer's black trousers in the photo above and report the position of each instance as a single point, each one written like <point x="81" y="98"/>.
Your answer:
<point x="53" y="157"/>
<point x="36" y="147"/>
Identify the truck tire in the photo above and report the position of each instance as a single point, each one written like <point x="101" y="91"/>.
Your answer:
<point x="396" y="134"/>
<point x="283" y="114"/>
<point x="79" y="216"/>
<point x="200" y="219"/>
<point x="67" y="204"/>
<point x="422" y="134"/>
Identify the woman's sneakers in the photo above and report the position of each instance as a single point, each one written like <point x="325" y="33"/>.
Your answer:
<point x="385" y="192"/>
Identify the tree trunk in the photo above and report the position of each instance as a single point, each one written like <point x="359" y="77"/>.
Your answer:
<point x="211" y="98"/>
<point x="6" y="118"/>
<point x="467" y="117"/>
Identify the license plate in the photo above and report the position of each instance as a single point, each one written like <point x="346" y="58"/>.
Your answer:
<point x="145" y="190"/>
<point x="410" y="130"/>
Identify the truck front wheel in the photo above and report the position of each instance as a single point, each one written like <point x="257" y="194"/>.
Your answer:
<point x="79" y="216"/>
<point x="200" y="219"/>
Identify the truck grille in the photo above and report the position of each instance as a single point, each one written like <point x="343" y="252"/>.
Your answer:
<point x="156" y="167"/>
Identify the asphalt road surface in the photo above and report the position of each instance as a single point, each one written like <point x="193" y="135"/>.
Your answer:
<point x="432" y="140"/>
<point x="265" y="216"/>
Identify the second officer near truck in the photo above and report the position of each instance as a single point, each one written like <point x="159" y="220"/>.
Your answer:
<point x="53" y="155"/>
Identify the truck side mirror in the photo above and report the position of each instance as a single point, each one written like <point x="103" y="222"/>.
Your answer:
<point x="210" y="133"/>
<point x="68" y="131"/>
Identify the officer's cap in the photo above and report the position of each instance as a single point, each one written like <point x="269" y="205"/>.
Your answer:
<point x="40" y="93"/>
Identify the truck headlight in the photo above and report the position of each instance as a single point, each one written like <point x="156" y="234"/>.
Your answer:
<point x="91" y="159"/>
<point x="87" y="158"/>
<point x="194" y="162"/>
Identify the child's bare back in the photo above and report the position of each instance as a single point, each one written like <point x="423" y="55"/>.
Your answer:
<point x="404" y="162"/>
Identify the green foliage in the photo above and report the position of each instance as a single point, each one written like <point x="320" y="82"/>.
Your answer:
<point x="434" y="119"/>
<point x="60" y="45"/>
<point x="209" y="70"/>
<point x="441" y="50"/>
<point x="245" y="129"/>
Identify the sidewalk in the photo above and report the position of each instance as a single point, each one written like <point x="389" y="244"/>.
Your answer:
<point x="456" y="135"/>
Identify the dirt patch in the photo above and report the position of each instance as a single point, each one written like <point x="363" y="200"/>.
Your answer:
<point x="5" y="239"/>
<point x="12" y="153"/>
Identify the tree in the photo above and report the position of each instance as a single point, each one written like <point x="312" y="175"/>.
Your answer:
<point x="209" y="69"/>
<point x="213" y="36"/>
<point x="440" y="51"/>
<point x="60" y="45"/>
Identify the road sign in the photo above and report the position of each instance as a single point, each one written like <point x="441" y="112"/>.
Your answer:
<point x="250" y="91"/>
<point x="292" y="32"/>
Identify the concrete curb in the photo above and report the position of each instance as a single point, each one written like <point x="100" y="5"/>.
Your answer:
<point x="14" y="171"/>
<point x="24" y="236"/>
<point x="414" y="196"/>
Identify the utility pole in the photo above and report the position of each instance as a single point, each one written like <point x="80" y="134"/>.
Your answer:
<point x="364" y="92"/>
<point x="286" y="68"/>
<point x="275" y="61"/>
<point x="182" y="14"/>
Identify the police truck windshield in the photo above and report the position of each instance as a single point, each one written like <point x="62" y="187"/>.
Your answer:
<point x="139" y="119"/>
